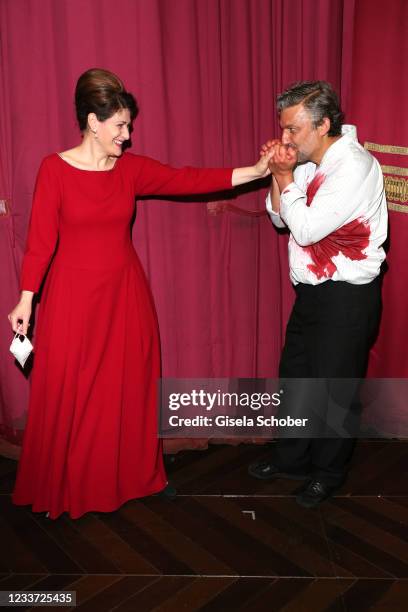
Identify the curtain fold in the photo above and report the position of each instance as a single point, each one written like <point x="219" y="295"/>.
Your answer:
<point x="378" y="106"/>
<point x="13" y="384"/>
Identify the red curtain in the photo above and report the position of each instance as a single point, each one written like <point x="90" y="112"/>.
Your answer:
<point x="206" y="75"/>
<point x="13" y="384"/>
<point x="378" y="107"/>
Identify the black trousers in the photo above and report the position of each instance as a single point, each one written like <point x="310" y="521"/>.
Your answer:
<point x="329" y="334"/>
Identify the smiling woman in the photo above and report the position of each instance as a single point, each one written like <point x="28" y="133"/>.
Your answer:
<point x="105" y="111"/>
<point x="91" y="438"/>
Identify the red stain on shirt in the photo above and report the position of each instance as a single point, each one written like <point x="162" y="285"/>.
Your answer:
<point x="313" y="186"/>
<point x="351" y="239"/>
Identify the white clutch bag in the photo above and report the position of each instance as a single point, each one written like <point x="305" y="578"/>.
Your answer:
<point x="21" y="348"/>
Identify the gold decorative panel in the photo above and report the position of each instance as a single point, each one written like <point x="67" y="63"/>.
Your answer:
<point x="395" y="177"/>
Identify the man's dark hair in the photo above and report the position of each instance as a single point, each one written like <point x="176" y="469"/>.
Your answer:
<point x="319" y="98"/>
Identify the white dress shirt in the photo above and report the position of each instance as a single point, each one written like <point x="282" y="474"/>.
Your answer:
<point x="337" y="215"/>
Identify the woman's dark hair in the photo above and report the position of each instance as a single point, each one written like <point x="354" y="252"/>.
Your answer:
<point x="319" y="98"/>
<point x="103" y="93"/>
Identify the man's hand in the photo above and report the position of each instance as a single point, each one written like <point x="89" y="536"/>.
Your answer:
<point x="282" y="162"/>
<point x="268" y="147"/>
<point x="266" y="155"/>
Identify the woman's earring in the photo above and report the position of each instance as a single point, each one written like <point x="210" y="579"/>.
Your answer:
<point x="95" y="133"/>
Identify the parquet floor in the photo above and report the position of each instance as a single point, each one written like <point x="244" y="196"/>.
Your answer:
<point x="228" y="542"/>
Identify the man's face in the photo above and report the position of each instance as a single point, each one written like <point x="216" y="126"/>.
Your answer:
<point x="298" y="131"/>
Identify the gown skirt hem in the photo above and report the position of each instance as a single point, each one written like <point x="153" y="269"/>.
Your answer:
<point x="75" y="515"/>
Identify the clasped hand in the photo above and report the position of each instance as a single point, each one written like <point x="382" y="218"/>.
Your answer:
<point x="282" y="158"/>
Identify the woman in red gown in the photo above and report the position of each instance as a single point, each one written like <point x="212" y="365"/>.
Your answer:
<point x="91" y="436"/>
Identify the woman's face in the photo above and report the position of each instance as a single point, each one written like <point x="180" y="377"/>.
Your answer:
<point x="113" y="132"/>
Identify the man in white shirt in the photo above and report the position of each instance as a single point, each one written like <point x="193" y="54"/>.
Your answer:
<point x="328" y="191"/>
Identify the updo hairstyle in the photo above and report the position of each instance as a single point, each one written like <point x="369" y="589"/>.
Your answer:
<point x="103" y="93"/>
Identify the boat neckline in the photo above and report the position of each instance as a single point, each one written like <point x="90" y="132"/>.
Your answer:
<point x="83" y="169"/>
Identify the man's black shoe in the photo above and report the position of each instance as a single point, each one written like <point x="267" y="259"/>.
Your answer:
<point x="313" y="493"/>
<point x="264" y="470"/>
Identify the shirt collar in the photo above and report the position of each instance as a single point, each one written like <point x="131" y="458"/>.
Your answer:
<point x="348" y="134"/>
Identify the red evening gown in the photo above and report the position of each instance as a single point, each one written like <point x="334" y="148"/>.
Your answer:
<point x="91" y="437"/>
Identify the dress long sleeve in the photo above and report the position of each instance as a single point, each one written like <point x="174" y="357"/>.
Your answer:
<point x="43" y="228"/>
<point x="154" y="178"/>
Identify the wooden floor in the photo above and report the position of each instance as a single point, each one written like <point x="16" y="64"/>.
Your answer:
<point x="228" y="542"/>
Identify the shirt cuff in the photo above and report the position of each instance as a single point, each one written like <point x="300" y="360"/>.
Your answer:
<point x="275" y="217"/>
